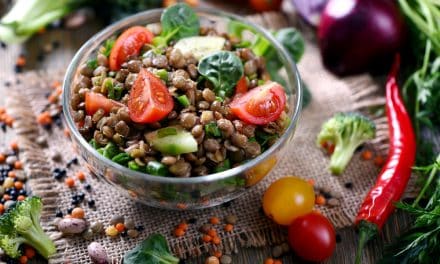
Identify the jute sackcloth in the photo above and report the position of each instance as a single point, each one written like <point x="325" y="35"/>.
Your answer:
<point x="330" y="95"/>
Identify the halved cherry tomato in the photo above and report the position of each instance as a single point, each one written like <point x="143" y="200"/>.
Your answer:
<point x="150" y="100"/>
<point x="241" y="86"/>
<point x="312" y="237"/>
<point x="129" y="43"/>
<point x="260" y="105"/>
<point x="265" y="5"/>
<point x="95" y="101"/>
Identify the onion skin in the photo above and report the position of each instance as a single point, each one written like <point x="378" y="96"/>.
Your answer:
<point x="356" y="36"/>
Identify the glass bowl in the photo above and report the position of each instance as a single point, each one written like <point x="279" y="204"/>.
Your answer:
<point x="193" y="192"/>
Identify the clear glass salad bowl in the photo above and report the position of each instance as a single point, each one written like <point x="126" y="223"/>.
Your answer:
<point x="183" y="193"/>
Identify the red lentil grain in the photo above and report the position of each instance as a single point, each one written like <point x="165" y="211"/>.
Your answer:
<point x="229" y="228"/>
<point x="12" y="174"/>
<point x="80" y="176"/>
<point x="214" y="220"/>
<point x="367" y="155"/>
<point x="320" y="200"/>
<point x="18" y="165"/>
<point x="14" y="145"/>
<point x="18" y="185"/>
<point x="120" y="227"/>
<point x="268" y="261"/>
<point x="21" y="198"/>
<point x="183" y="226"/>
<point x="78" y="212"/>
<point x="70" y="182"/>
<point x="29" y="252"/>
<point x="216" y="240"/>
<point x="212" y="232"/>
<point x="379" y="161"/>
<point x="206" y="238"/>
<point x="178" y="232"/>
<point x="2" y="158"/>
<point x="23" y="260"/>
<point x="2" y="208"/>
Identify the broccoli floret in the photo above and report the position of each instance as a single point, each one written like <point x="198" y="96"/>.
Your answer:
<point x="21" y="224"/>
<point x="346" y="131"/>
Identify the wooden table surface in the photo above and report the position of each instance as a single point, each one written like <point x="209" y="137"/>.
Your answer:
<point x="71" y="40"/>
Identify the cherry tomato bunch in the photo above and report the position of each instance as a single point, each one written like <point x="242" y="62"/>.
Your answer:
<point x="289" y="201"/>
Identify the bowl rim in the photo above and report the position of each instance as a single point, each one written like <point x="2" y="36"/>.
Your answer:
<point x="289" y="64"/>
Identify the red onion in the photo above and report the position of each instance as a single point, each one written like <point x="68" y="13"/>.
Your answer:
<point x="360" y="35"/>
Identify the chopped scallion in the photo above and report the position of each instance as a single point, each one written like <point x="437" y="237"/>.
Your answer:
<point x="183" y="100"/>
<point x="212" y="130"/>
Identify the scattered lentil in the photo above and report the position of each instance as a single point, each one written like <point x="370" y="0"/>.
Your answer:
<point x="206" y="238"/>
<point x="379" y="161"/>
<point x="78" y="212"/>
<point x="212" y="232"/>
<point x="229" y="227"/>
<point x="87" y="235"/>
<point x="231" y="219"/>
<point x="117" y="219"/>
<point x="97" y="227"/>
<point x="214" y="220"/>
<point x="111" y="231"/>
<point x="120" y="227"/>
<point x="178" y="232"/>
<point x="216" y="240"/>
<point x="23" y="260"/>
<point x="333" y="202"/>
<point x="80" y="176"/>
<point x="212" y="260"/>
<point x="277" y="251"/>
<point x="133" y="233"/>
<point x="367" y="155"/>
<point x="69" y="182"/>
<point x="320" y="200"/>
<point x="29" y="252"/>
<point x="225" y="259"/>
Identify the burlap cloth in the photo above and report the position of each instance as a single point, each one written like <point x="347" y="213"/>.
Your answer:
<point x="27" y="98"/>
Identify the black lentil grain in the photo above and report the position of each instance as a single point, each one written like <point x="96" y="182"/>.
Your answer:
<point x="192" y="221"/>
<point x="69" y="210"/>
<point x="348" y="185"/>
<point x="88" y="187"/>
<point x="91" y="203"/>
<point x="58" y="213"/>
<point x="139" y="228"/>
<point x="3" y="45"/>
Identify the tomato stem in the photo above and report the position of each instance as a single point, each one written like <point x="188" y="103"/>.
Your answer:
<point x="367" y="231"/>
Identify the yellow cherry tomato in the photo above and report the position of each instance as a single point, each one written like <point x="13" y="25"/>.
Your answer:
<point x="287" y="199"/>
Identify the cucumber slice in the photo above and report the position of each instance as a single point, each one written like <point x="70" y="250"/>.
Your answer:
<point x="200" y="46"/>
<point x="178" y="142"/>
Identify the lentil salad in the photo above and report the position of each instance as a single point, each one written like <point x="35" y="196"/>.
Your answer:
<point x="182" y="105"/>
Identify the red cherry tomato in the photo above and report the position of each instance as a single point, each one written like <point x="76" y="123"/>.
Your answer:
<point x="95" y="101"/>
<point x="312" y="237"/>
<point x="150" y="100"/>
<point x="260" y="105"/>
<point x="129" y="43"/>
<point x="241" y="86"/>
<point x="265" y="5"/>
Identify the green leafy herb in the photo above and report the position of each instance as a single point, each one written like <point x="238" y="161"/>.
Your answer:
<point x="292" y="41"/>
<point x="156" y="168"/>
<point x="110" y="150"/>
<point x="178" y="21"/>
<point x="212" y="130"/>
<point x="183" y="100"/>
<point x="92" y="63"/>
<point x="122" y="158"/>
<point x="421" y="90"/>
<point x="132" y="165"/>
<point x="223" y="69"/>
<point x="108" y="45"/>
<point x="420" y="244"/>
<point x="264" y="138"/>
<point x="93" y="143"/>
<point x="225" y="165"/>
<point x="153" y="250"/>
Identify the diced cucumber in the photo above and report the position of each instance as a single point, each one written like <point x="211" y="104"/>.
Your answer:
<point x="200" y="46"/>
<point x="156" y="168"/>
<point x="172" y="143"/>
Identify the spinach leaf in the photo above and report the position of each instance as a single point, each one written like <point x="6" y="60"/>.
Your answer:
<point x="153" y="250"/>
<point x="292" y="41"/>
<point x="223" y="69"/>
<point x="122" y="158"/>
<point x="110" y="150"/>
<point x="178" y="21"/>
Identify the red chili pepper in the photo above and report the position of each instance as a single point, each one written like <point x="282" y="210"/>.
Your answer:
<point x="391" y="183"/>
